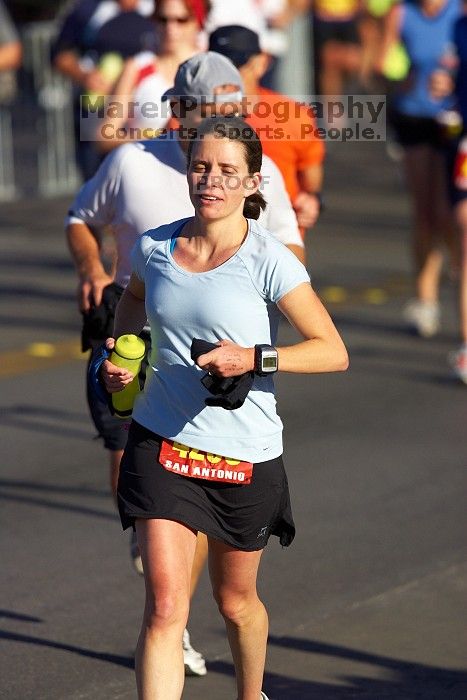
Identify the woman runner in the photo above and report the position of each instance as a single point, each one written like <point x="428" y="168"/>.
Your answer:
<point x="190" y="465"/>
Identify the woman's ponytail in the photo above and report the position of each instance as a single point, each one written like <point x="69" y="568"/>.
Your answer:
<point x="253" y="206"/>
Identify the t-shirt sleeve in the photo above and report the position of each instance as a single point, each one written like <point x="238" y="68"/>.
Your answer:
<point x="279" y="217"/>
<point x="145" y="246"/>
<point x="274" y="269"/>
<point x="284" y="274"/>
<point x="309" y="148"/>
<point x="95" y="202"/>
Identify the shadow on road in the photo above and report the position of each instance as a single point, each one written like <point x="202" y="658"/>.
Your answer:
<point x="410" y="681"/>
<point x="54" y="488"/>
<point x="40" y="323"/>
<point x="33" y="419"/>
<point x="8" y="614"/>
<point x="36" y="262"/>
<point x="10" y="487"/>
<point x="125" y="661"/>
<point x="36" y="293"/>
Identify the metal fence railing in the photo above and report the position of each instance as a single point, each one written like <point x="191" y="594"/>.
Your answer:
<point x="37" y="149"/>
<point x="8" y="190"/>
<point x="56" y="166"/>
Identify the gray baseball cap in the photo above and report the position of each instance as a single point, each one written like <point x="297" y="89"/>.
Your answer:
<point x="199" y="76"/>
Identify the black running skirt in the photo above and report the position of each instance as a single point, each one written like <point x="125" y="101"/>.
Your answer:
<point x="241" y="515"/>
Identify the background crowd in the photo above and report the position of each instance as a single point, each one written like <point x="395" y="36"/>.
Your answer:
<point x="412" y="51"/>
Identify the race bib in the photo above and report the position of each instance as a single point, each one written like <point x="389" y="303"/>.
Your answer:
<point x="187" y="461"/>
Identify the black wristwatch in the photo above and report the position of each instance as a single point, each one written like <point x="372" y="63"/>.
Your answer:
<point x="266" y="360"/>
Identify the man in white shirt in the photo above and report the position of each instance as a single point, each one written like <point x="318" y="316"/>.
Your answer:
<point x="141" y="186"/>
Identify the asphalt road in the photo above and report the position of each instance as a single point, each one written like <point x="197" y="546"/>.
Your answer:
<point x="369" y="602"/>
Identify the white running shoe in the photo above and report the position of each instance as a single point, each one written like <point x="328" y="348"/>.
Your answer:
<point x="195" y="664"/>
<point x="135" y="554"/>
<point x="264" y="696"/>
<point x="458" y="362"/>
<point x="423" y="317"/>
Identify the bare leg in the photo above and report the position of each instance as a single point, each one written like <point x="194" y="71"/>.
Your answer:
<point x="167" y="548"/>
<point x="461" y="215"/>
<point x="199" y="561"/>
<point x="233" y="576"/>
<point x="337" y="62"/>
<point x="115" y="457"/>
<point x="426" y="244"/>
<point x="443" y="216"/>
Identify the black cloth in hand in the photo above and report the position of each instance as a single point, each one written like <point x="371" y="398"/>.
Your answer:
<point x="228" y="392"/>
<point x="98" y="322"/>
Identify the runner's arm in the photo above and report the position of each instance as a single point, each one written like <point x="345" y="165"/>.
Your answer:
<point x="307" y="204"/>
<point x="84" y="249"/>
<point x="10" y="55"/>
<point x="130" y="317"/>
<point x="130" y="314"/>
<point x="93" y="208"/>
<point x="322" y="349"/>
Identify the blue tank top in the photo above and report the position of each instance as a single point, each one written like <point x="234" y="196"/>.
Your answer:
<point x="460" y="39"/>
<point x="427" y="40"/>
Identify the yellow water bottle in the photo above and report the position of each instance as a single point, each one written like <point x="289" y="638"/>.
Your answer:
<point x="128" y="352"/>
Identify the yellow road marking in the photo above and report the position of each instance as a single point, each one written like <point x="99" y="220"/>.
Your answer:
<point x="39" y="356"/>
<point x="375" y="296"/>
<point x="41" y="349"/>
<point x="334" y="295"/>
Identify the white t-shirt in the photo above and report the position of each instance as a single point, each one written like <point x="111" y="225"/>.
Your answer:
<point x="253" y="14"/>
<point x="143" y="185"/>
<point x="236" y="300"/>
<point x="149" y="111"/>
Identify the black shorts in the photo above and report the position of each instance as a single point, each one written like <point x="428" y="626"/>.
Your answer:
<point x="416" y="131"/>
<point x="345" y="32"/>
<point x="241" y="515"/>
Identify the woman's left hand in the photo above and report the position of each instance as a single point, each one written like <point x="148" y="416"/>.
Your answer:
<point x="441" y="84"/>
<point x="228" y="360"/>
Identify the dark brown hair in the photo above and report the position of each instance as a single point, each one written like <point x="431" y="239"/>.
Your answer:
<point x="237" y="129"/>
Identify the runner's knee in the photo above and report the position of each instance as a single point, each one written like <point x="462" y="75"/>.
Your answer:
<point x="165" y="609"/>
<point x="236" y="608"/>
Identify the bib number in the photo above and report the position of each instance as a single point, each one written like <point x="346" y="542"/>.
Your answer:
<point x="187" y="461"/>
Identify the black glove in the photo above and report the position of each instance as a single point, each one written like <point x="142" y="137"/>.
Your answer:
<point x="229" y="392"/>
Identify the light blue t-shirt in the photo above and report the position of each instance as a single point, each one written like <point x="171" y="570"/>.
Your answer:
<point x="237" y="301"/>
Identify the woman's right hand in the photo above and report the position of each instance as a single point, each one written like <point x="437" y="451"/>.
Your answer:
<point x="115" y="378"/>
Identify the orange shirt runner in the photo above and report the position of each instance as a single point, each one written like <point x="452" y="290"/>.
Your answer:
<point x="287" y="130"/>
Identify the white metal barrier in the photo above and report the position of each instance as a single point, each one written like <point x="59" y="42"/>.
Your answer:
<point x="57" y="172"/>
<point x="8" y="190"/>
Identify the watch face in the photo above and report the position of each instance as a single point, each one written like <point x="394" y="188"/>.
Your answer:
<point x="269" y="363"/>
